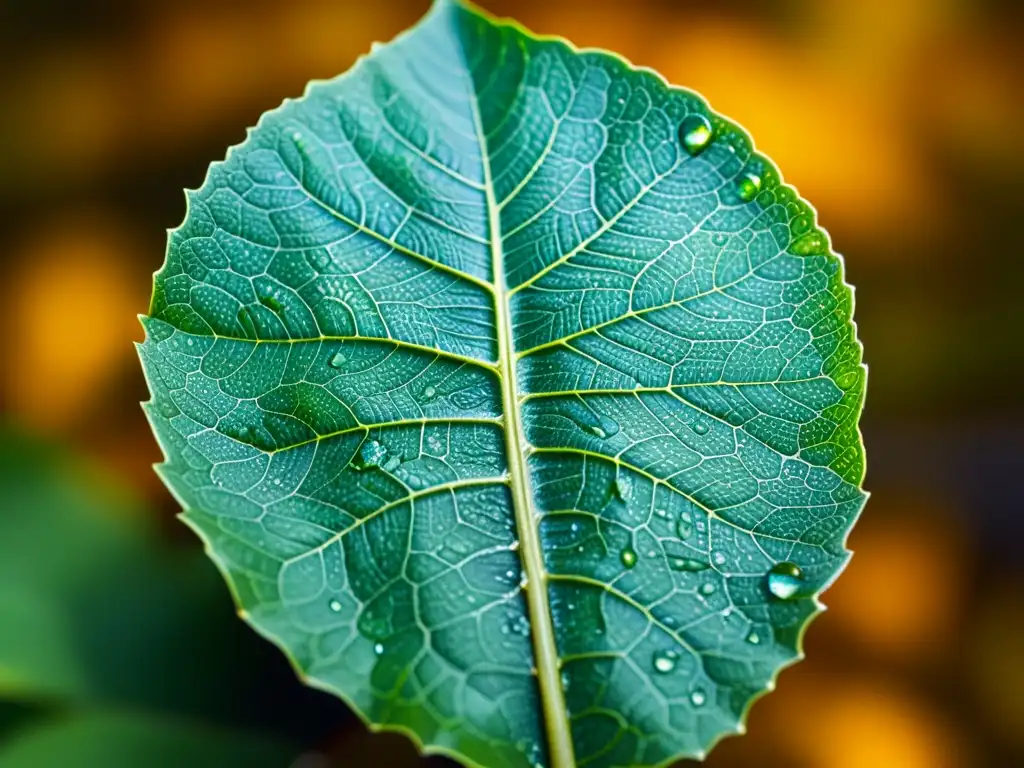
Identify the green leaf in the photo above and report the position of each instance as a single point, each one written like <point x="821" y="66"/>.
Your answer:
<point x="124" y="740"/>
<point x="515" y="395"/>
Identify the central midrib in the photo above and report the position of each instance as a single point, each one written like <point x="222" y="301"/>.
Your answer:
<point x="556" y="721"/>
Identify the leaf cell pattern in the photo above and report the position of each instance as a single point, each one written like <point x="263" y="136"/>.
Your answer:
<point x="481" y="272"/>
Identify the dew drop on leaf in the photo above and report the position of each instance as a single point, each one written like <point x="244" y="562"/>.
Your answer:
<point x="753" y="638"/>
<point x="785" y="580"/>
<point x="684" y="528"/>
<point x="378" y="649"/>
<point x="687" y="564"/>
<point x="628" y="557"/>
<point x="707" y="589"/>
<point x="338" y="360"/>
<point x="428" y="394"/>
<point x="695" y="133"/>
<point x="271" y="303"/>
<point x="808" y="245"/>
<point x="749" y="186"/>
<point x="698" y="697"/>
<point x="701" y="428"/>
<point x="372" y="453"/>
<point x="335" y="605"/>
<point x="665" y="661"/>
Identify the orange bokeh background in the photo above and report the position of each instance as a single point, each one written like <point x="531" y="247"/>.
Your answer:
<point x="901" y="120"/>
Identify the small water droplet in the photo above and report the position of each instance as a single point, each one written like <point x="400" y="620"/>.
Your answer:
<point x="335" y="605"/>
<point x="687" y="564"/>
<point x="684" y="528"/>
<point x="719" y="558"/>
<point x="665" y="661"/>
<point x="599" y="432"/>
<point x="338" y="360"/>
<point x="623" y="487"/>
<point x="707" y="589"/>
<point x="808" y="245"/>
<point x="565" y="680"/>
<point x="271" y="303"/>
<point x="785" y="580"/>
<point x="847" y="380"/>
<point x="628" y="557"/>
<point x="753" y="638"/>
<point x="428" y="394"/>
<point x="695" y="133"/>
<point x="378" y="648"/>
<point x="749" y="186"/>
<point x="372" y="453"/>
<point x="701" y="428"/>
<point x="698" y="697"/>
<point x="719" y="239"/>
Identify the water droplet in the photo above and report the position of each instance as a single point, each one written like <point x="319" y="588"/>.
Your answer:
<point x="271" y="303"/>
<point x="665" y="661"/>
<point x="719" y="239"/>
<point x="847" y="380"/>
<point x="599" y="432"/>
<point x="698" y="697"/>
<point x="372" y="453"/>
<point x="707" y="589"/>
<point x="785" y="580"/>
<point x="753" y="638"/>
<point x="565" y="680"/>
<point x="338" y="360"/>
<point x="391" y="464"/>
<point x="809" y="244"/>
<point x="378" y="648"/>
<point x="335" y="605"/>
<point x="719" y="558"/>
<point x="801" y="224"/>
<point x="623" y="487"/>
<point x="428" y="394"/>
<point x="628" y="557"/>
<point x="749" y="186"/>
<point x="687" y="564"/>
<point x="695" y="133"/>
<point x="701" y="428"/>
<point x="684" y="528"/>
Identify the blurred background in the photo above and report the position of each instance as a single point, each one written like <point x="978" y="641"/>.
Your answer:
<point x="901" y="120"/>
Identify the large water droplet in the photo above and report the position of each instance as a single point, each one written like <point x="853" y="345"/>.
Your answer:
<point x="847" y="380"/>
<point x="338" y="360"/>
<point x="707" y="589"/>
<point x="749" y="186"/>
<point x="428" y="394"/>
<point x="665" y="661"/>
<point x="335" y="605"/>
<point x="628" y="557"/>
<point x="378" y="648"/>
<point x="698" y="697"/>
<point x="753" y="638"/>
<point x="687" y="564"/>
<point x="701" y="428"/>
<point x="695" y="133"/>
<point x="785" y="580"/>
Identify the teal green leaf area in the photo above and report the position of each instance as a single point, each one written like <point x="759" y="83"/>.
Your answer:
<point x="516" y="397"/>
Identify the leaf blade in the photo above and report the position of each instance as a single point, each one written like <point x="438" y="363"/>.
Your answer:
<point x="667" y="333"/>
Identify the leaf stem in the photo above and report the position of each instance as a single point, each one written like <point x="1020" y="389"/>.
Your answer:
<point x="545" y="649"/>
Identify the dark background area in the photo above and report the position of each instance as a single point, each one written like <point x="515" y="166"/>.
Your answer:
<point x="901" y="120"/>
